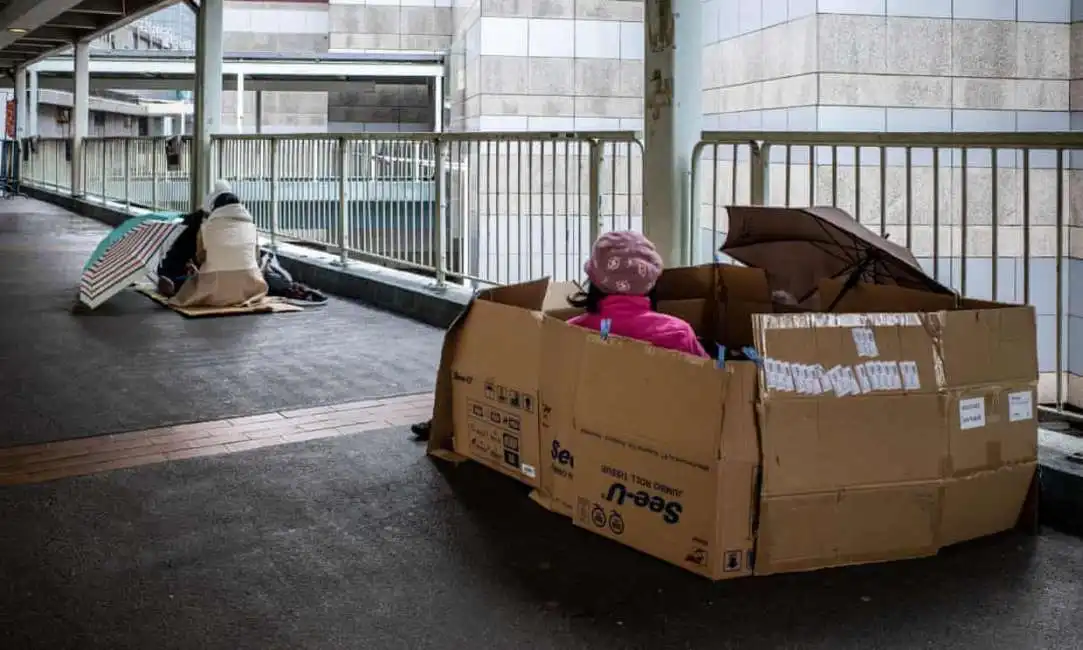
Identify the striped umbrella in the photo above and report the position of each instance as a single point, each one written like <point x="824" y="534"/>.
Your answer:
<point x="121" y="231"/>
<point x="126" y="260"/>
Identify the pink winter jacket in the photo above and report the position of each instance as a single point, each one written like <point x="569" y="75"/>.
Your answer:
<point x="631" y="317"/>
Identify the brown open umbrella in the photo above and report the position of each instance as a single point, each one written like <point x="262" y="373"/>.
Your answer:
<point x="799" y="247"/>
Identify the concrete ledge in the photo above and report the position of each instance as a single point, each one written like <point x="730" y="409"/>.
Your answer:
<point x="399" y="292"/>
<point x="102" y="212"/>
<point x="410" y="295"/>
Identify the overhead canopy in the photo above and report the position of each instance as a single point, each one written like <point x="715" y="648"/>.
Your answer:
<point x="32" y="29"/>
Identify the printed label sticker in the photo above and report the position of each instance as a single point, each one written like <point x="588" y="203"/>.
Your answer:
<point x="1020" y="406"/>
<point x="865" y="341"/>
<point x="972" y="413"/>
<point x="911" y="380"/>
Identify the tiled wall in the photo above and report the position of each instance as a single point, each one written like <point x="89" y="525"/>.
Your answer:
<point x="390" y="25"/>
<point x="341" y="26"/>
<point x="550" y="66"/>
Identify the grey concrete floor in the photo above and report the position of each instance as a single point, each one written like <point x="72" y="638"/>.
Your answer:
<point x="364" y="543"/>
<point x="133" y="364"/>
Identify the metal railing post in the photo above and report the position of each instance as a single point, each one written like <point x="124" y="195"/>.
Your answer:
<point x="343" y="205"/>
<point x="127" y="174"/>
<point x="104" y="159"/>
<point x="594" y="190"/>
<point x="439" y="222"/>
<point x="759" y="172"/>
<point x="274" y="194"/>
<point x="154" y="174"/>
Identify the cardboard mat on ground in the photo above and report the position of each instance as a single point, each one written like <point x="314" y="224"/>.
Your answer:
<point x="899" y="424"/>
<point x="267" y="305"/>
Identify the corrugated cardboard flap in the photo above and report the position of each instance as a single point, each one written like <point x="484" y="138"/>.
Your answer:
<point x="528" y="295"/>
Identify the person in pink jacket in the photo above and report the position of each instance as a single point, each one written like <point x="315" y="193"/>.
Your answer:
<point x="622" y="271"/>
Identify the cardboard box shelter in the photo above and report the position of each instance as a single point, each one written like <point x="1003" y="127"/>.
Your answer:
<point x="901" y="423"/>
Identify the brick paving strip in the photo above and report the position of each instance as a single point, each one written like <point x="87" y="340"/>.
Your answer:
<point x="53" y="460"/>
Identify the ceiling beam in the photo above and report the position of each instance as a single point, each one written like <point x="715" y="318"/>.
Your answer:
<point x="25" y="16"/>
<point x="50" y="36"/>
<point x="99" y="7"/>
<point x="72" y="20"/>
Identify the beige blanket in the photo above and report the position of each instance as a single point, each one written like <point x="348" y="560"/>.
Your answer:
<point x="228" y="257"/>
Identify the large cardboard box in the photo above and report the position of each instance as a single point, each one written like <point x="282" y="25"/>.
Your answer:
<point x="902" y="423"/>
<point x="889" y="434"/>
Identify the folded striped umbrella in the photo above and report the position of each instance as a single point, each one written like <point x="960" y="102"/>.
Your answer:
<point x="126" y="260"/>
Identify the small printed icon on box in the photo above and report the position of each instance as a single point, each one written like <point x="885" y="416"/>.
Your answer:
<point x="732" y="561"/>
<point x="697" y="556"/>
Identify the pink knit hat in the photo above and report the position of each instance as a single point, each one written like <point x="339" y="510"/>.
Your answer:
<point x="623" y="262"/>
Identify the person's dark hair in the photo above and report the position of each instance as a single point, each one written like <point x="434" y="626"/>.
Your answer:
<point x="590" y="299"/>
<point x="224" y="199"/>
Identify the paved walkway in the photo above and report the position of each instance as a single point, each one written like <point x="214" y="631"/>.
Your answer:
<point x="301" y="516"/>
<point x="134" y="365"/>
<point x="50" y="461"/>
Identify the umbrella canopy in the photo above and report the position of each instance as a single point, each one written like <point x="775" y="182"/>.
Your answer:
<point x="122" y="230"/>
<point x="799" y="247"/>
<point x="126" y="259"/>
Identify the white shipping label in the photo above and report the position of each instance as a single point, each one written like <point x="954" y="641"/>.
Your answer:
<point x="876" y="374"/>
<point x="1020" y="406"/>
<point x="528" y="470"/>
<point x="851" y="381"/>
<point x="863" y="378"/>
<point x="787" y="377"/>
<point x="865" y="341"/>
<point x="894" y="378"/>
<point x="832" y="377"/>
<point x="800" y="378"/>
<point x="825" y="383"/>
<point x="972" y="413"/>
<point x="770" y="373"/>
<point x="911" y="380"/>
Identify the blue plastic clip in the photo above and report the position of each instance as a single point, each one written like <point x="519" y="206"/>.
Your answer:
<point x="752" y="355"/>
<point x="607" y="324"/>
<point x="721" y="355"/>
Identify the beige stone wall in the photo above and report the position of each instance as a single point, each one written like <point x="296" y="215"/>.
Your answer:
<point x="549" y="66"/>
<point x="390" y="26"/>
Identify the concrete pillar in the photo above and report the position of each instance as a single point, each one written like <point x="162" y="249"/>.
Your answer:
<point x="167" y="126"/>
<point x="672" y="122"/>
<point x="240" y="102"/>
<point x="208" y="95"/>
<point x="259" y="111"/>
<point x="32" y="103"/>
<point x="80" y="114"/>
<point x="20" y="103"/>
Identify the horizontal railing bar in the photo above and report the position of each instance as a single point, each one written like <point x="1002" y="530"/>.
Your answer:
<point x="1045" y="140"/>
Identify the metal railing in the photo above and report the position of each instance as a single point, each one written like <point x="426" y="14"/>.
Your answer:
<point x="487" y="207"/>
<point x="986" y="213"/>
